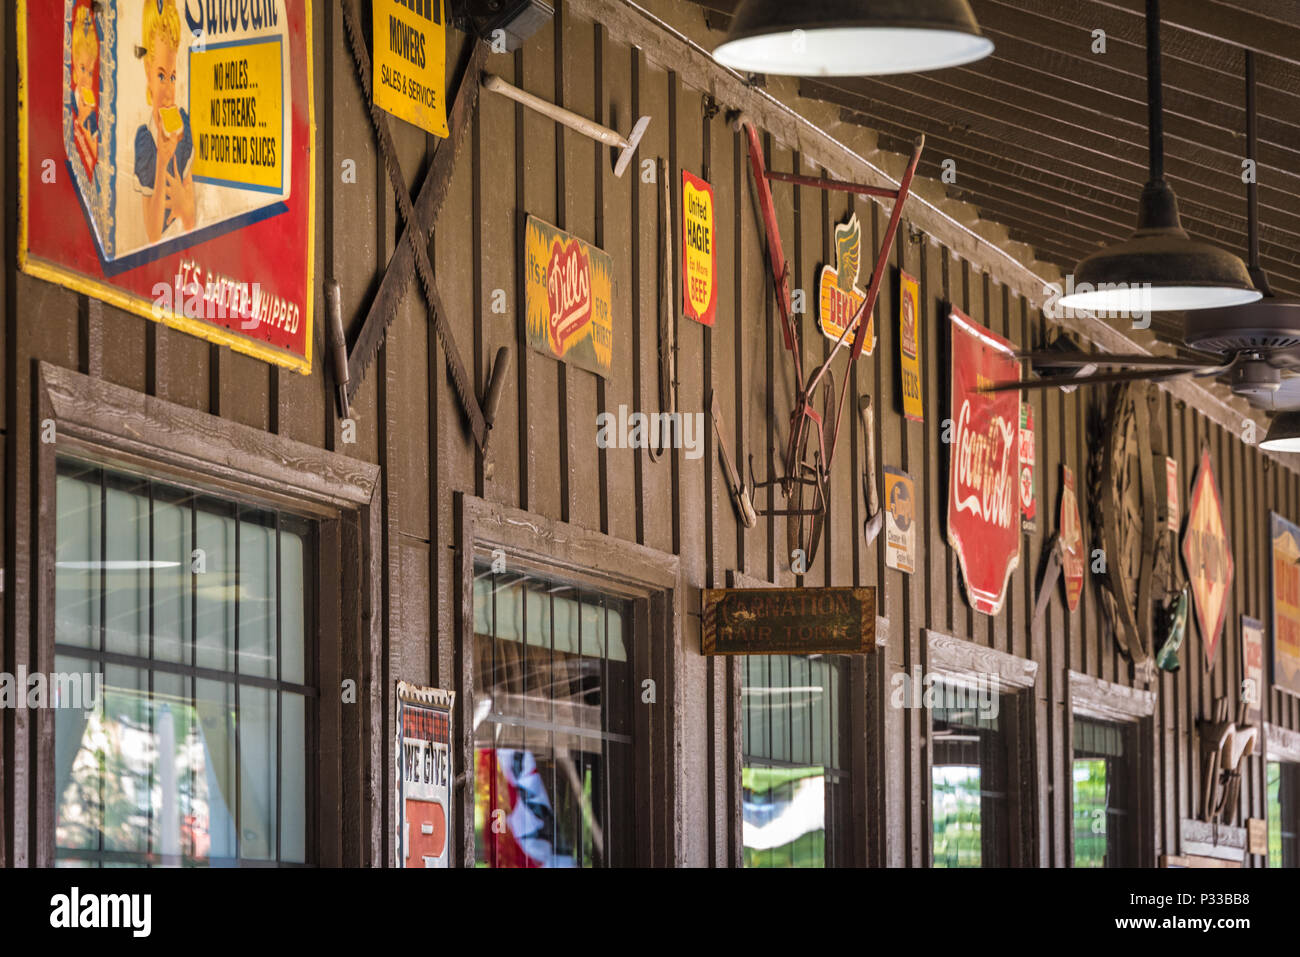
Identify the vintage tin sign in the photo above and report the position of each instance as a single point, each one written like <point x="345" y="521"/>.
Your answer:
<point x="699" y="256"/>
<point x="1028" y="500"/>
<point x="1286" y="604"/>
<point x="789" y="621"/>
<point x="983" y="463"/>
<point x="1173" y="518"/>
<point x="1252" y="666"/>
<point x="569" y="298"/>
<point x="166" y="163"/>
<point x="909" y="346"/>
<point x="839" y="296"/>
<point x="409" y="64"/>
<point x="424" y="776"/>
<point x="900" y="520"/>
<point x="1072" y="547"/>
<point x="1208" y="556"/>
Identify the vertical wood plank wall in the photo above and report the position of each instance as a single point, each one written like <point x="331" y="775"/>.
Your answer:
<point x="544" y="456"/>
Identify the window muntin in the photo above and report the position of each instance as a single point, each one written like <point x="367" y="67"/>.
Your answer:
<point x="1104" y="795"/>
<point x="1283" y="795"/>
<point x="553" y="752"/>
<point x="969" y="779"/>
<point x="794" y="786"/>
<point x="195" y="611"/>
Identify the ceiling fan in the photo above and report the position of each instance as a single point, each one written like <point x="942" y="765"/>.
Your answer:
<point x="1257" y="345"/>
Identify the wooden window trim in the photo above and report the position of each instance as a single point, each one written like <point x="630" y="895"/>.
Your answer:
<point x="652" y="581"/>
<point x="1017" y="678"/>
<point x="1281" y="744"/>
<point x="110" y="425"/>
<point x="1104" y="700"/>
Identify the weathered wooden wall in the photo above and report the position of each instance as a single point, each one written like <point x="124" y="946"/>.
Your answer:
<point x="544" y="457"/>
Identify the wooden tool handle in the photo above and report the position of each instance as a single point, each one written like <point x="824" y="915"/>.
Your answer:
<point x="558" y="113"/>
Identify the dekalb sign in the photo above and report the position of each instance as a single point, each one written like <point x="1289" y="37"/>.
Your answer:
<point x="984" y="463"/>
<point x="1208" y="556"/>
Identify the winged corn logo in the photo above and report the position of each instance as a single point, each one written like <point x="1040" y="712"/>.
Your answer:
<point x="840" y="296"/>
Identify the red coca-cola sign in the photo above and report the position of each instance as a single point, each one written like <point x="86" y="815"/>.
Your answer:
<point x="984" y="463"/>
<point x="568" y="291"/>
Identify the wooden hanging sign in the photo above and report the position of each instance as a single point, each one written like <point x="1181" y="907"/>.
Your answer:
<point x="1208" y="556"/>
<point x="789" y="621"/>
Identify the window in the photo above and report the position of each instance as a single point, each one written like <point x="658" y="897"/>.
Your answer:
<point x="969" y="778"/>
<point x="1283" y="792"/>
<point x="196" y="612"/>
<point x="1105" y="818"/>
<point x="553" y="755"/>
<point x="794" y="786"/>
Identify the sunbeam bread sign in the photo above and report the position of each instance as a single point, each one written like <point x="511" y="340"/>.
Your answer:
<point x="983" y="463"/>
<point x="166" y="163"/>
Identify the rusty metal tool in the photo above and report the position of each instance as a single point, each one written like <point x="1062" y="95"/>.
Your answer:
<point x="739" y="494"/>
<point x="574" y="121"/>
<point x="416" y="235"/>
<point x="338" y="344"/>
<point x="875" y="516"/>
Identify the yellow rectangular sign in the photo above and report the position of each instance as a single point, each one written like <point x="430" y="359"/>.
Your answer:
<point x="410" y="58"/>
<point x="238" y="126"/>
<point x="909" y="346"/>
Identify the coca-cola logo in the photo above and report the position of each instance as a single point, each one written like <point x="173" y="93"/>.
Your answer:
<point x="568" y="291"/>
<point x="985" y="483"/>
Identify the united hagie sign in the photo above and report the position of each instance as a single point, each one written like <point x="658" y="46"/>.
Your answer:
<point x="789" y="621"/>
<point x="984" y="463"/>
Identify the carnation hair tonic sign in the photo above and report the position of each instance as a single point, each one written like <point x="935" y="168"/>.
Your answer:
<point x="424" y="775"/>
<point x="166" y="163"/>
<point x="569" y="298"/>
<point x="984" y="463"/>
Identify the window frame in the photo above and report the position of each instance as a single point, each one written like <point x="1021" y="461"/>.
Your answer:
<point x="1106" y="701"/>
<point x="104" y="424"/>
<point x="1017" y="682"/>
<point x="651" y="582"/>
<point x="1281" y="745"/>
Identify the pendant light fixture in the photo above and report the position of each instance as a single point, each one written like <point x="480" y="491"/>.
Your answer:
<point x="851" y="37"/>
<point x="1160" y="268"/>
<point x="1283" y="433"/>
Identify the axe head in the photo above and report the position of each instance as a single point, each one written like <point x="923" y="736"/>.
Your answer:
<point x="633" y="141"/>
<point x="871" y="527"/>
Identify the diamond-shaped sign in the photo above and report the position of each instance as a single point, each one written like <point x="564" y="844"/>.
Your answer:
<point x="1208" y="556"/>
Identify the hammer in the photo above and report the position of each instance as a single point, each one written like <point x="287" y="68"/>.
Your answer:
<point x="573" y="121"/>
<point x="875" y="516"/>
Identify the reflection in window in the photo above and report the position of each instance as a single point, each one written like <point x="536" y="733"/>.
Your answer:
<point x="1283" y="793"/>
<point x="794" y="788"/>
<point x="194" y="611"/>
<point x="1105" y="831"/>
<point x="968" y="778"/>
<point x="552" y="725"/>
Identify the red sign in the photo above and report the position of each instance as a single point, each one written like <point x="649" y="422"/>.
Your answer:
<point x="984" y="463"/>
<point x="568" y="293"/>
<point x="167" y="163"/>
<point x="1071" y="532"/>
<point x="1208" y="556"/>
<point x="699" y="256"/>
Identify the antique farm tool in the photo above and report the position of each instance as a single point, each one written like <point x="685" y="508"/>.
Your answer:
<point x="1122" y="489"/>
<point x="1223" y="744"/>
<point x="1055" y="553"/>
<point x="627" y="145"/>
<point x="739" y="494"/>
<point x="338" y="344"/>
<point x="667" y="319"/>
<point x="416" y="231"/>
<point x="807" y="469"/>
<point x="875" y="516"/>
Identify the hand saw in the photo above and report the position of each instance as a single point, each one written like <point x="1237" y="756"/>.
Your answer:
<point x="414" y="251"/>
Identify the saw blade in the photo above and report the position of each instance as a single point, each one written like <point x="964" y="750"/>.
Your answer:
<point x="455" y="366"/>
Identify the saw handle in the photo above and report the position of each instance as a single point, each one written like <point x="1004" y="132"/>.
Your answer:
<point x="496" y="385"/>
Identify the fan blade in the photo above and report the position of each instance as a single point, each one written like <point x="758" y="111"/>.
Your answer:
<point x="1049" y="358"/>
<point x="1100" y="378"/>
<point x="1284" y="358"/>
<point x="1285" y="399"/>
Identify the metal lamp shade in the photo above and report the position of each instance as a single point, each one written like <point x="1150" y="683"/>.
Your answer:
<point x="851" y="37"/>
<point x="1283" y="433"/>
<point x="1160" y="268"/>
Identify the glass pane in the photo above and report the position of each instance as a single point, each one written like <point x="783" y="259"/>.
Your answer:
<point x="214" y="773"/>
<point x="552" y="781"/>
<point x="257" y="773"/>
<point x="215" y="587"/>
<point x="784" y="816"/>
<point x="257" y="594"/>
<point x="1089" y="812"/>
<point x="955" y="800"/>
<point x="293" y="598"/>
<point x="969" y="777"/>
<point x="125" y="744"/>
<point x="293" y="779"/>
<point x="126" y="571"/>
<point x="171" y="581"/>
<point x="77" y="563"/>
